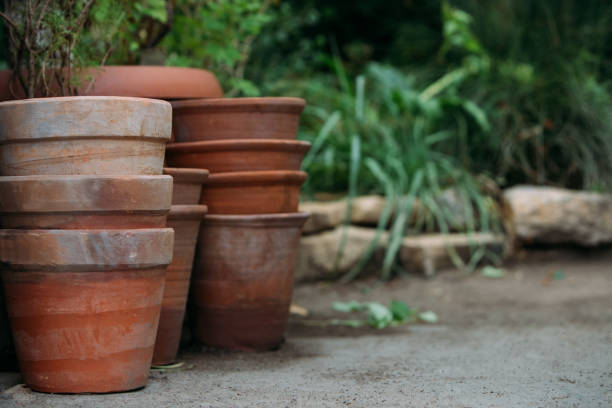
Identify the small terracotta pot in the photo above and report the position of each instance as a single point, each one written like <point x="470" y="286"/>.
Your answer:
<point x="84" y="305"/>
<point x="236" y="118"/>
<point x="84" y="202"/>
<point x="185" y="219"/>
<point x="220" y="156"/>
<point x="187" y="184"/>
<point x="156" y="82"/>
<point x="253" y="192"/>
<point x="96" y="135"/>
<point x="243" y="279"/>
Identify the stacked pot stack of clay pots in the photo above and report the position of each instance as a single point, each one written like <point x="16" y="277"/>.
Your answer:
<point x="185" y="216"/>
<point x="245" y="259"/>
<point x="84" y="245"/>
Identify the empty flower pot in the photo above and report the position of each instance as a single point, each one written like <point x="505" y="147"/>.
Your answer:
<point x="187" y="186"/>
<point x="156" y="82"/>
<point x="236" y="118"/>
<point x="185" y="219"/>
<point x="220" y="156"/>
<point x="243" y="279"/>
<point x="84" y="202"/>
<point x="253" y="192"/>
<point x="95" y="135"/>
<point x="84" y="305"/>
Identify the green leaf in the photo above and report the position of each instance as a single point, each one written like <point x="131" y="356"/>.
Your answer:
<point x="379" y="315"/>
<point x="428" y="317"/>
<point x="401" y="311"/>
<point x="352" y="306"/>
<point x="492" y="272"/>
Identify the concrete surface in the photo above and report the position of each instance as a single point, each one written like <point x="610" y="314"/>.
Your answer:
<point x="525" y="340"/>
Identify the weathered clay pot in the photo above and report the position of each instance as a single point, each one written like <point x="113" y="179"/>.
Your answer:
<point x="187" y="184"/>
<point x="185" y="219"/>
<point x="84" y="202"/>
<point x="156" y="82"/>
<point x="84" y="305"/>
<point x="253" y="192"/>
<point x="236" y="118"/>
<point x="243" y="279"/>
<point x="97" y="135"/>
<point x="220" y="156"/>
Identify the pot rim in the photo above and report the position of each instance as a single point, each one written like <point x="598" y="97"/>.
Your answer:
<point x="187" y="212"/>
<point x="86" y="250"/>
<point x="85" y="117"/>
<point x="60" y="190"/>
<point x="255" y="104"/>
<point x="299" y="146"/>
<point x="35" y="101"/>
<point x="254" y="177"/>
<point x="187" y="83"/>
<point x="186" y="175"/>
<point x="296" y="219"/>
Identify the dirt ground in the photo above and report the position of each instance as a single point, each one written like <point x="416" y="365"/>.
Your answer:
<point x="525" y="340"/>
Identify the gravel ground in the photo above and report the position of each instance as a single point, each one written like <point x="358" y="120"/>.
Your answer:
<point x="525" y="340"/>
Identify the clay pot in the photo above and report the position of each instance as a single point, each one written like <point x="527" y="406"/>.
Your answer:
<point x="236" y="118"/>
<point x="253" y="192"/>
<point x="84" y="305"/>
<point x="243" y="279"/>
<point x="187" y="184"/>
<point x="96" y="135"/>
<point x="220" y="156"/>
<point x="156" y="82"/>
<point x="185" y="219"/>
<point x="84" y="202"/>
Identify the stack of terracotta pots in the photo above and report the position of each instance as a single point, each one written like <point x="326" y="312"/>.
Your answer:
<point x="245" y="259"/>
<point x="84" y="245"/>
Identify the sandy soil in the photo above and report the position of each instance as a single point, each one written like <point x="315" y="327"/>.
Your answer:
<point x="525" y="340"/>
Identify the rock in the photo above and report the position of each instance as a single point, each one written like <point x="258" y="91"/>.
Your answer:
<point x="330" y="214"/>
<point x="548" y="215"/>
<point x="317" y="254"/>
<point x="367" y="209"/>
<point x="430" y="253"/>
<point x="324" y="215"/>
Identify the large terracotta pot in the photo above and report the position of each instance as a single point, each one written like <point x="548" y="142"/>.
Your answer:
<point x="156" y="82"/>
<point x="187" y="184"/>
<point x="84" y="202"/>
<point x="236" y="118"/>
<point x="253" y="192"/>
<point x="84" y="305"/>
<point x="243" y="279"/>
<point x="83" y="135"/>
<point x="220" y="156"/>
<point x="185" y="219"/>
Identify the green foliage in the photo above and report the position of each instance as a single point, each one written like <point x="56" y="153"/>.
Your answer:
<point x="44" y="44"/>
<point x="217" y="35"/>
<point x="380" y="316"/>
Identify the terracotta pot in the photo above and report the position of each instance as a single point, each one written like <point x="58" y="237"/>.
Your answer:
<point x="185" y="219"/>
<point x="220" y="156"/>
<point x="243" y="279"/>
<point x="84" y="305"/>
<point x="84" y="202"/>
<point x="156" y="82"/>
<point x="187" y="184"/>
<point x="253" y="192"/>
<point x="236" y="118"/>
<point x="97" y="135"/>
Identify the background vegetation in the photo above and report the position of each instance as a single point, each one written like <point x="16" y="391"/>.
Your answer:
<point x="408" y="99"/>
